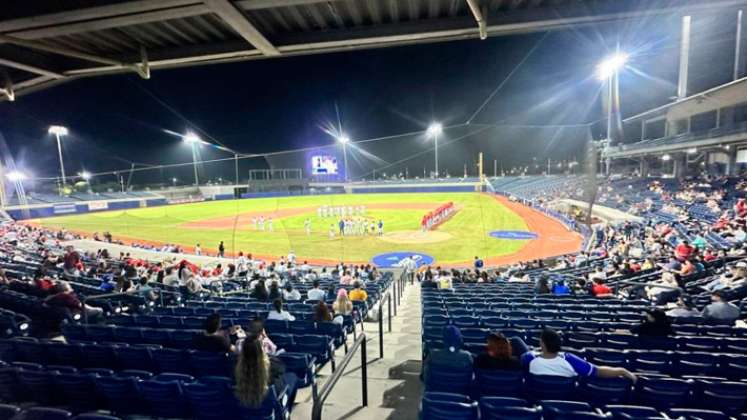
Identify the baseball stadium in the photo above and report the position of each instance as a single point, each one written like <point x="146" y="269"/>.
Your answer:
<point x="373" y="209"/>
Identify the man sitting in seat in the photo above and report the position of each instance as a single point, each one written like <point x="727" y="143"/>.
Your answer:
<point x="213" y="338"/>
<point x="552" y="361"/>
<point x="720" y="311"/>
<point x="358" y="294"/>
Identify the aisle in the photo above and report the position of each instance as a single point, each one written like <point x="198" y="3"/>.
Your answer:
<point x="394" y="386"/>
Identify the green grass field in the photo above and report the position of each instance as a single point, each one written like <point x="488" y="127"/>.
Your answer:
<point x="469" y="228"/>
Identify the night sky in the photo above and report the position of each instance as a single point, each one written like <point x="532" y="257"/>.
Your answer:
<point x="280" y="104"/>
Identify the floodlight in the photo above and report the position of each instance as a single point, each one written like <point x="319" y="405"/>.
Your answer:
<point x="342" y="138"/>
<point x="15" y="176"/>
<point x="192" y="138"/>
<point x="57" y="130"/>
<point x="434" y="129"/>
<point x="85" y="175"/>
<point x="665" y="157"/>
<point x="611" y="65"/>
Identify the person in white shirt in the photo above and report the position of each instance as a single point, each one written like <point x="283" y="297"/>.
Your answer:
<point x="278" y="313"/>
<point x="290" y="294"/>
<point x="316" y="293"/>
<point x="291" y="257"/>
<point x="198" y="250"/>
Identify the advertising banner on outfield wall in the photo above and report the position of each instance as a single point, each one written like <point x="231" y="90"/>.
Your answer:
<point x="64" y="208"/>
<point x="97" y="205"/>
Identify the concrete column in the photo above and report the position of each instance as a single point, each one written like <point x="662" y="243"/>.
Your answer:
<point x="731" y="165"/>
<point x="643" y="168"/>
<point x="680" y="165"/>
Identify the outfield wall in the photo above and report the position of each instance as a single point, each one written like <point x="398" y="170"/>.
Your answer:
<point x="36" y="211"/>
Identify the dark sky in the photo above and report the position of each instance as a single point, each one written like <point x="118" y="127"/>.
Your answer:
<point x="280" y="104"/>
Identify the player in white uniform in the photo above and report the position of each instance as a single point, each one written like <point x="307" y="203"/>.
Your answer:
<point x="307" y="226"/>
<point x="254" y="222"/>
<point x="269" y="224"/>
<point x="262" y="223"/>
<point x="331" y="231"/>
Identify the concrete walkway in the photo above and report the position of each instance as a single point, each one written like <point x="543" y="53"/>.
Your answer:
<point x="394" y="387"/>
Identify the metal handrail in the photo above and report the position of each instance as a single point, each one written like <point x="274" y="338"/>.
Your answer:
<point x="103" y="296"/>
<point x="319" y="397"/>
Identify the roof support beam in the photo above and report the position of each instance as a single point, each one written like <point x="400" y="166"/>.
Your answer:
<point x="57" y="50"/>
<point x="236" y="20"/>
<point x="482" y="25"/>
<point x="30" y="69"/>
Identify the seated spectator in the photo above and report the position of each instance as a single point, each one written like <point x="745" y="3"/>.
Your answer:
<point x="278" y="313"/>
<point x="720" y="311"/>
<point x="560" y="289"/>
<point x="497" y="355"/>
<point x="146" y="291"/>
<point x="552" y="361"/>
<point x="257" y="329"/>
<point x="259" y="291"/>
<point x="316" y="293"/>
<point x="655" y="324"/>
<point x="213" y="338"/>
<point x="255" y="371"/>
<point x="274" y="292"/>
<point x="543" y="286"/>
<point x="290" y="294"/>
<point x="684" y="309"/>
<point x="342" y="305"/>
<point x="450" y="355"/>
<point x="599" y="289"/>
<point x="67" y="299"/>
<point x="358" y="294"/>
<point x="321" y="312"/>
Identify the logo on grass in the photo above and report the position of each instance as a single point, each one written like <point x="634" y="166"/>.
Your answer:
<point x="393" y="259"/>
<point x="513" y="234"/>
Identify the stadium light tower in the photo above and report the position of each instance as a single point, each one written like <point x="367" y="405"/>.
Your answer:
<point x="608" y="71"/>
<point x="16" y="176"/>
<point x="435" y="130"/>
<point x="344" y="140"/>
<point x="194" y="141"/>
<point x="85" y="175"/>
<point x="58" y="132"/>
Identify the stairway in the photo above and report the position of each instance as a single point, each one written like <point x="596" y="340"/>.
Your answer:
<point x="394" y="387"/>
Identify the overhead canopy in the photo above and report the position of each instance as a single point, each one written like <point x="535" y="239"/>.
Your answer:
<point x="44" y="42"/>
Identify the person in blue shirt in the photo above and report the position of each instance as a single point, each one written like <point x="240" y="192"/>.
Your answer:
<point x="478" y="263"/>
<point x="550" y="360"/>
<point x="560" y="288"/>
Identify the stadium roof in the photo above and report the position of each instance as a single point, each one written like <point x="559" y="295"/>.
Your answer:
<point x="46" y="42"/>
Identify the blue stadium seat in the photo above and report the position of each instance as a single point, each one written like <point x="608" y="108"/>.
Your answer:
<point x="164" y="398"/>
<point x="490" y="410"/>
<point x="498" y="383"/>
<point x="182" y="339"/>
<point x="9" y="383"/>
<point x="319" y="346"/>
<point x="443" y="378"/>
<point x="210" y="363"/>
<point x="8" y="411"/>
<point x="135" y="357"/>
<point x="302" y="364"/>
<point x="43" y="413"/>
<point x="171" y="360"/>
<point x="696" y="414"/>
<point x="37" y="386"/>
<point x="551" y="409"/>
<point x="729" y="397"/>
<point x="100" y="355"/>
<point x="604" y="391"/>
<point x="663" y="393"/>
<point x="65" y="354"/>
<point x="625" y="412"/>
<point x="121" y="394"/>
<point x="77" y="390"/>
<point x="546" y="387"/>
<point x="445" y="406"/>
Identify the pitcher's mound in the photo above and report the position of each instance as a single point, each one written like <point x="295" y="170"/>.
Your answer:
<point x="416" y="237"/>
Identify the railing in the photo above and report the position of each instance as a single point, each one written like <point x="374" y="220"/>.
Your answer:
<point x="321" y="396"/>
<point x="103" y="296"/>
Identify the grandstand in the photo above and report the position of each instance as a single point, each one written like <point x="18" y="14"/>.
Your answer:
<point x="614" y="287"/>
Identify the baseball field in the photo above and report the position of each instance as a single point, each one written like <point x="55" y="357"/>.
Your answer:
<point x="465" y="235"/>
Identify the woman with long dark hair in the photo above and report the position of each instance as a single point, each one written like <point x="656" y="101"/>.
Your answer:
<point x="255" y="371"/>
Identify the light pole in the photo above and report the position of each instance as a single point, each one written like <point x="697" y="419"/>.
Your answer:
<point x="193" y="140"/>
<point x="434" y="130"/>
<point x="344" y="140"/>
<point x="609" y="71"/>
<point x="59" y="131"/>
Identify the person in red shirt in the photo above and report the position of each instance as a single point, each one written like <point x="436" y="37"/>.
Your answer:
<point x="684" y="251"/>
<point x="599" y="289"/>
<point x="741" y="208"/>
<point x="67" y="299"/>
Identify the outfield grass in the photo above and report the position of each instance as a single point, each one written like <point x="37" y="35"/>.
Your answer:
<point x="469" y="227"/>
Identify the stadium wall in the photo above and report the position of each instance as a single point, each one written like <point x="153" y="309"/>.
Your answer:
<point x="37" y="211"/>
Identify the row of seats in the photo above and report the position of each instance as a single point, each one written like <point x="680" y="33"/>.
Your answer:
<point x="165" y="396"/>
<point x="321" y="347"/>
<point x="650" y="390"/>
<point x="147" y="358"/>
<point x="14" y="412"/>
<point x="448" y="406"/>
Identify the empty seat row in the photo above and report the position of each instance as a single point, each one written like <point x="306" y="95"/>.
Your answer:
<point x="165" y="396"/>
